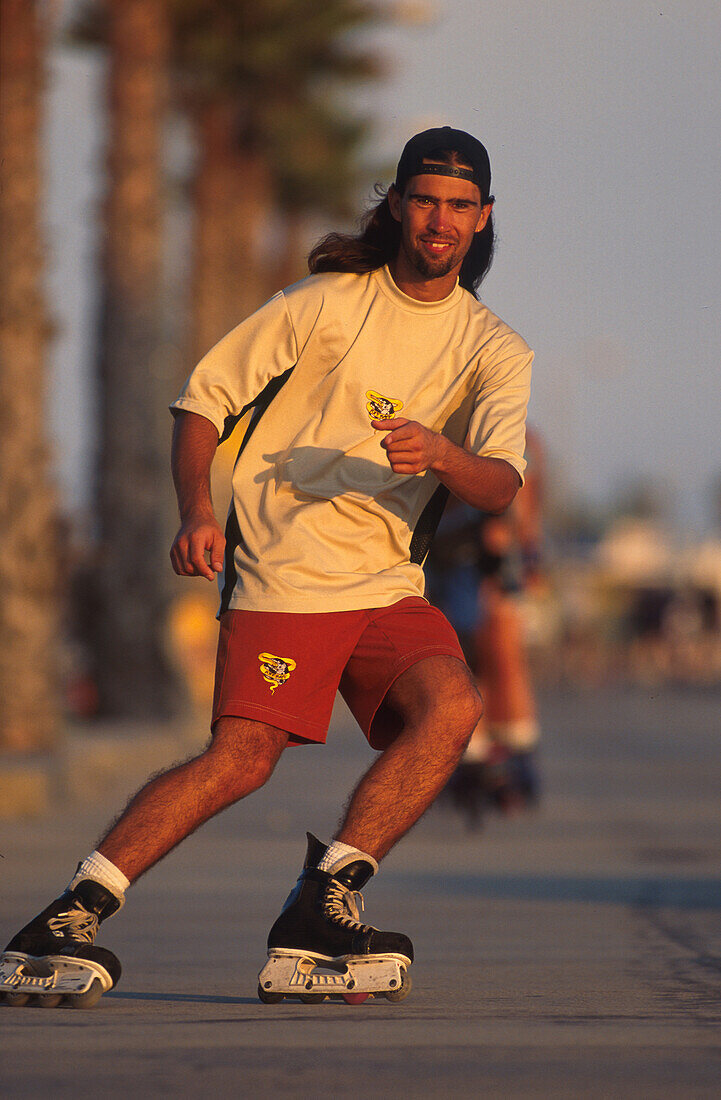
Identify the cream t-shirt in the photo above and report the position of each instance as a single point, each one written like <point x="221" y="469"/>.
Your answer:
<point x="319" y="521"/>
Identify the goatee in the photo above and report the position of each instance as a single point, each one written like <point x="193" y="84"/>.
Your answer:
<point x="431" y="268"/>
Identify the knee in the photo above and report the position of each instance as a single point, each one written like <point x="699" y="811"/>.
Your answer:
<point x="237" y="770"/>
<point x="250" y="775"/>
<point x="232" y="779"/>
<point x="457" y="712"/>
<point x="470" y="711"/>
<point x="476" y="707"/>
<point x="438" y="696"/>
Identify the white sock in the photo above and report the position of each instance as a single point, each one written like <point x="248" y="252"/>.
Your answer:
<point x="101" y="870"/>
<point x="478" y="747"/>
<point x="338" y="855"/>
<point x="520" y="735"/>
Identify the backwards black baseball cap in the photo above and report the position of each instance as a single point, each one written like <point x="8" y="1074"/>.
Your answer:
<point x="445" y="137"/>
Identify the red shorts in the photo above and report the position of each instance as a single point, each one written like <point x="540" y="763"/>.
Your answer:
<point x="284" y="669"/>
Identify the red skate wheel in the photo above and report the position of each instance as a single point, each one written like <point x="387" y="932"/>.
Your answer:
<point x="355" y="998"/>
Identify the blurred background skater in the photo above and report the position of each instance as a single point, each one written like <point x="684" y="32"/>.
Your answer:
<point x="480" y="568"/>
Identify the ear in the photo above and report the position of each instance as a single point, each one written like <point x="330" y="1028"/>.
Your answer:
<point x="485" y="214"/>
<point x="394" y="202"/>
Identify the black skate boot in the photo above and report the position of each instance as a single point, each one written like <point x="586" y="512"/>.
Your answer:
<point x="466" y="791"/>
<point x="319" y="947"/>
<point x="54" y="957"/>
<point x="525" y="777"/>
<point x="512" y="780"/>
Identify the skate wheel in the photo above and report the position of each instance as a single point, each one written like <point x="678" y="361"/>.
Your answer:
<point x="355" y="998"/>
<point x="49" y="1000"/>
<point x="89" y="998"/>
<point x="17" y="1000"/>
<point x="267" y="997"/>
<point x="403" y="990"/>
<point x="312" y="998"/>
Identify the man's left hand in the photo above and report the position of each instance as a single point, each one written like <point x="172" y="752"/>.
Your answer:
<point x="410" y="447"/>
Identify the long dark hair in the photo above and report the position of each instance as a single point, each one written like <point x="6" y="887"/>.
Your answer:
<point x="379" y="239"/>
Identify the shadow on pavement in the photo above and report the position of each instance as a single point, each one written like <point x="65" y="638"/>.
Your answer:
<point x="651" y="890"/>
<point x="200" y="998"/>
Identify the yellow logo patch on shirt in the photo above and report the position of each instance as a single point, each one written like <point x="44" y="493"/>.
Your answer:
<point x="380" y="407"/>
<point x="275" y="670"/>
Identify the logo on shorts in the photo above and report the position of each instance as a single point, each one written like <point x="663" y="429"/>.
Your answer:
<point x="275" y="670"/>
<point x="380" y="407"/>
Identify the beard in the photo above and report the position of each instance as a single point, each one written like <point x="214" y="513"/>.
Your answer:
<point x="431" y="267"/>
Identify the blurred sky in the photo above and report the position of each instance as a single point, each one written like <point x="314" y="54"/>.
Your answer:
<point x="602" y="122"/>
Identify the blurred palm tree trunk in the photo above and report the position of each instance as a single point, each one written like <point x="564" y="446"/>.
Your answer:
<point x="289" y="263"/>
<point x="232" y="203"/>
<point x="133" y="672"/>
<point x="29" y="703"/>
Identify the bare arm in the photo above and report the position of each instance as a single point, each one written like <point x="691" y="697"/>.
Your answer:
<point x="195" y="441"/>
<point x="489" y="484"/>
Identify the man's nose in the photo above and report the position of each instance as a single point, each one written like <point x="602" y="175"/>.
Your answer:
<point x="439" y="219"/>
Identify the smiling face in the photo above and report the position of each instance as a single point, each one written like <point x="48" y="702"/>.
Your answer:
<point x="439" y="216"/>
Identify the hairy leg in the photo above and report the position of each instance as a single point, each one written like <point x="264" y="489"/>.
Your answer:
<point x="439" y="707"/>
<point x="240" y="758"/>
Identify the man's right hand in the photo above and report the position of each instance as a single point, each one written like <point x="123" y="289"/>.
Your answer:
<point x="197" y="537"/>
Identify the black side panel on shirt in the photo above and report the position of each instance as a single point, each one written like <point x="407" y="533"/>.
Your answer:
<point x="232" y="528"/>
<point x="259" y="403"/>
<point x="427" y="525"/>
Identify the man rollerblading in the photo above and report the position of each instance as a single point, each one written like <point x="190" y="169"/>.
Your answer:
<point x="378" y="386"/>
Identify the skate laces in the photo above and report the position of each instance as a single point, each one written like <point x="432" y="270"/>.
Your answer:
<point x="77" y="923"/>
<point x="344" y="906"/>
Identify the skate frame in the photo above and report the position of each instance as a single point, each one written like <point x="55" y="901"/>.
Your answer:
<point x="291" y="973"/>
<point x="51" y="978"/>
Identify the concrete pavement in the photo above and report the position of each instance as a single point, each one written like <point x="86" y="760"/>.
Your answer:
<point x="575" y="952"/>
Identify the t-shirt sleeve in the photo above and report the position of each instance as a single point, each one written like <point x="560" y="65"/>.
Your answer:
<point x="497" y="427"/>
<point x="239" y="366"/>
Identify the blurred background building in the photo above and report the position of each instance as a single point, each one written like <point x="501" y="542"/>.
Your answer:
<point x="165" y="167"/>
